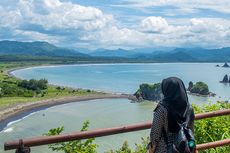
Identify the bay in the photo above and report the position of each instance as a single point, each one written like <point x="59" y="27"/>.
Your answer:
<point x="116" y="78"/>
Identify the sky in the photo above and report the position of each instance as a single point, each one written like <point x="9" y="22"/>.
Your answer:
<point x="114" y="24"/>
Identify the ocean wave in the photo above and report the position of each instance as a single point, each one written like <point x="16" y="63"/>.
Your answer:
<point x="18" y="120"/>
<point x="8" y="130"/>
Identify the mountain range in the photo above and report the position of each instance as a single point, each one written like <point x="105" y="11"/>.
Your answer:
<point x="136" y="55"/>
<point x="36" y="48"/>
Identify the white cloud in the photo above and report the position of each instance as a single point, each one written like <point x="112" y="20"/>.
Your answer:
<point x="188" y="5"/>
<point x="202" y="32"/>
<point x="33" y="35"/>
<point x="114" y="37"/>
<point x="9" y="18"/>
<point x="154" y="24"/>
<point x="63" y="15"/>
<point x="67" y="23"/>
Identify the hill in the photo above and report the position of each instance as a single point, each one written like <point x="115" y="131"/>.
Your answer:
<point x="36" y="48"/>
<point x="113" y="53"/>
<point x="10" y="50"/>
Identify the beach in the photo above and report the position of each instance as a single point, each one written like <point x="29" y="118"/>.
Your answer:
<point x="17" y="109"/>
<point x="20" y="108"/>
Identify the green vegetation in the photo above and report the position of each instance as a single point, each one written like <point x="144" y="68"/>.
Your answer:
<point x="149" y="92"/>
<point x="200" y="88"/>
<point x="14" y="91"/>
<point x="140" y="148"/>
<point x="76" y="146"/>
<point x="23" y="88"/>
<point x="213" y="129"/>
<point x="206" y="130"/>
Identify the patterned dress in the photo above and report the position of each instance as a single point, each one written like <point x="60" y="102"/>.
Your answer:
<point x="158" y="135"/>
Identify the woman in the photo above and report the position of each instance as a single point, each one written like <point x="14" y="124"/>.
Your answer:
<point x="173" y="109"/>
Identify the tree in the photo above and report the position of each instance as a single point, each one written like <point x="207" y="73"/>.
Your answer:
<point x="200" y="88"/>
<point x="35" y="85"/>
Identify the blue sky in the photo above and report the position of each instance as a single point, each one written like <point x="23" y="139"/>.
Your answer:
<point x="126" y="24"/>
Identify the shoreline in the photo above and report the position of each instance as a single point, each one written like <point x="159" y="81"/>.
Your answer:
<point x="15" y="110"/>
<point x="10" y="113"/>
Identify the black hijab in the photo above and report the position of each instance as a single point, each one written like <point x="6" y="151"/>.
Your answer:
<point x="175" y="100"/>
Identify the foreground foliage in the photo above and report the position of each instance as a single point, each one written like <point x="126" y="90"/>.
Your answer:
<point x="206" y="130"/>
<point x="213" y="129"/>
<point x="76" y="146"/>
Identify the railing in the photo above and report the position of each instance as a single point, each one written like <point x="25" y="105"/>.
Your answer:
<point x="44" y="140"/>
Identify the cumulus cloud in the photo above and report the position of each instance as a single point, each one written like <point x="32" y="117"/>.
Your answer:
<point x="69" y="24"/>
<point x="154" y="24"/>
<point x="114" y="37"/>
<point x="199" y="32"/>
<point x="62" y="15"/>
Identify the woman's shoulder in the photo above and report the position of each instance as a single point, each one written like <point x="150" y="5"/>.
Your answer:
<point x="160" y="109"/>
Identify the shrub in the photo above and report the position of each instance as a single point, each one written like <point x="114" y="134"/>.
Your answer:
<point x="33" y="84"/>
<point x="76" y="146"/>
<point x="212" y="129"/>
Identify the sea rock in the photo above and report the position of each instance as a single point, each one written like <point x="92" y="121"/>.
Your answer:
<point x="200" y="88"/>
<point x="217" y="65"/>
<point x="225" y="79"/>
<point x="225" y="65"/>
<point x="190" y="85"/>
<point x="150" y="92"/>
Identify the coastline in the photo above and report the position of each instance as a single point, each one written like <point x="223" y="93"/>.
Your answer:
<point x="21" y="108"/>
<point x="13" y="111"/>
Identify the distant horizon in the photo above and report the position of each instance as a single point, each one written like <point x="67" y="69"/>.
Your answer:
<point x="125" y="24"/>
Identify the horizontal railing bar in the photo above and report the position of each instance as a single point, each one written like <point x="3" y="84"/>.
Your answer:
<point x="213" y="144"/>
<point x="44" y="140"/>
<point x="212" y="114"/>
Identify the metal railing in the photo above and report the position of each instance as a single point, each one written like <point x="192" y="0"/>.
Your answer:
<point x="44" y="140"/>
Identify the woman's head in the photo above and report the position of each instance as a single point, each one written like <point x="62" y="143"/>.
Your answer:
<point x="175" y="96"/>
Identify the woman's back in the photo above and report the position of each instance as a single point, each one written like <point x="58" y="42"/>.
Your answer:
<point x="169" y="114"/>
<point x="160" y="133"/>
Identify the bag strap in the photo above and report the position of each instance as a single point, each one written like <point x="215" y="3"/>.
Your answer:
<point x="187" y="116"/>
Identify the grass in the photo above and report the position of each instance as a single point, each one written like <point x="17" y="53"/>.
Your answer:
<point x="52" y="91"/>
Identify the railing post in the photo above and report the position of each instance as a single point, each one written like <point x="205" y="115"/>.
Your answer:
<point x="22" y="148"/>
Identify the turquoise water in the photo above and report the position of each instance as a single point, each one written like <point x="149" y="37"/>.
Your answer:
<point x="121" y="78"/>
<point x="101" y="114"/>
<point x="125" y="78"/>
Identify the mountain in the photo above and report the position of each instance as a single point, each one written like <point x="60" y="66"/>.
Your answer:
<point x="112" y="53"/>
<point x="201" y="54"/>
<point x="133" y="53"/>
<point x="45" y="49"/>
<point x="36" y="48"/>
<point x="186" y="55"/>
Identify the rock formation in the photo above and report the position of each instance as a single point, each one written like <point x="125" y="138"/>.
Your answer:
<point x="190" y="85"/>
<point x="149" y="92"/>
<point x="200" y="88"/>
<point x="225" y="65"/>
<point x="225" y="79"/>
